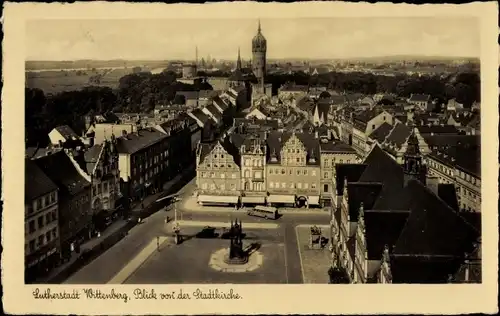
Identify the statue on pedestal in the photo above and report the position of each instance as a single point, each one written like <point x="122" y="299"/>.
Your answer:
<point x="236" y="253"/>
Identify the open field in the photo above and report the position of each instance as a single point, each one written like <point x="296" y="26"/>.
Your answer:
<point x="53" y="81"/>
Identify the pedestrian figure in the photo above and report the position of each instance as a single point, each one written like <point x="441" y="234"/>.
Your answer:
<point x="142" y="205"/>
<point x="139" y="220"/>
<point x="98" y="234"/>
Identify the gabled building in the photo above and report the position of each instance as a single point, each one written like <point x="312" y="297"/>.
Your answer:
<point x="292" y="90"/>
<point x="75" y="212"/>
<point x="293" y="169"/>
<point x="358" y="126"/>
<point x="218" y="173"/>
<point x="253" y="153"/>
<point x="420" y="100"/>
<point x="61" y="134"/>
<point x="42" y="248"/>
<point x="388" y="226"/>
<point x="99" y="166"/>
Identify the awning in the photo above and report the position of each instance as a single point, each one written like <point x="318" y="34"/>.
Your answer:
<point x="253" y="199"/>
<point x="218" y="199"/>
<point x="313" y="200"/>
<point x="281" y="199"/>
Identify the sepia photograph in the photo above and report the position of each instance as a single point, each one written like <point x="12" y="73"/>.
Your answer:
<point x="253" y="150"/>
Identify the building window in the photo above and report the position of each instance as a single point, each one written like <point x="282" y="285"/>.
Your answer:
<point x="48" y="236"/>
<point x="40" y="222"/>
<point x="325" y="188"/>
<point x="299" y="185"/>
<point x="54" y="216"/>
<point x="48" y="218"/>
<point x="222" y="187"/>
<point x="38" y="204"/>
<point x="31" y="227"/>
<point x="222" y="175"/>
<point x="204" y="186"/>
<point x="41" y="240"/>
<point x="326" y="175"/>
<point x="233" y="186"/>
<point x="212" y="186"/>
<point x="271" y="185"/>
<point x="270" y="171"/>
<point x="212" y="174"/>
<point x="283" y="185"/>
<point x="54" y="233"/>
<point x="313" y="173"/>
<point x="298" y="172"/>
<point x="313" y="185"/>
<point x="203" y="174"/>
<point x="305" y="172"/>
<point x="290" y="172"/>
<point x="306" y="185"/>
<point x="32" y="245"/>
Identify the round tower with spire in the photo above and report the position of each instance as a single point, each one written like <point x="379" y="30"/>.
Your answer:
<point x="259" y="49"/>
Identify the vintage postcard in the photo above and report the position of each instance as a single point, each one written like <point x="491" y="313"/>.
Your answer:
<point x="175" y="156"/>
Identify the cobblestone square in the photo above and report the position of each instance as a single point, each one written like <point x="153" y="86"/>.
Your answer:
<point x="188" y="263"/>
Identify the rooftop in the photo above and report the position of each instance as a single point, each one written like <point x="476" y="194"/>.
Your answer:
<point x="134" y="142"/>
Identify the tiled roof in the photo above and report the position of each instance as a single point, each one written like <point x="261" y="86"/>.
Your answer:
<point x="220" y="103"/>
<point x="398" y="135"/>
<point x="306" y="104"/>
<point x="381" y="132"/>
<point x="66" y="132"/>
<point x="134" y="142"/>
<point x="335" y="146"/>
<point x="36" y="182"/>
<point x="420" y="97"/>
<point x="422" y="269"/>
<point x="214" y="111"/>
<point x="59" y="168"/>
<point x="351" y="172"/>
<point x="448" y="194"/>
<point x="383" y="228"/>
<point x="437" y="129"/>
<point x="92" y="157"/>
<point x="433" y="228"/>
<point x="198" y="113"/>
<point x="381" y="168"/>
<point x="464" y="157"/>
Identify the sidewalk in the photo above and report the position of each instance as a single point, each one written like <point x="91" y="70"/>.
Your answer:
<point x="111" y="235"/>
<point x="138" y="260"/>
<point x="191" y="204"/>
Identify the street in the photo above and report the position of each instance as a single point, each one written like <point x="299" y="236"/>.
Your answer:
<point x="103" y="268"/>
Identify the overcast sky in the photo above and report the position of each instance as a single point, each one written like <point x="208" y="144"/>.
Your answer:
<point x="220" y="38"/>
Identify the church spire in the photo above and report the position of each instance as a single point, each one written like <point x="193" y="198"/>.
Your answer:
<point x="259" y="29"/>
<point x="238" y="63"/>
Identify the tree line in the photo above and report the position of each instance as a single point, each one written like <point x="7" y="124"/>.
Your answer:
<point x="142" y="91"/>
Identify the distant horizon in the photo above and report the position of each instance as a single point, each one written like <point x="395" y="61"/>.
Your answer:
<point x="287" y="38"/>
<point x="444" y="57"/>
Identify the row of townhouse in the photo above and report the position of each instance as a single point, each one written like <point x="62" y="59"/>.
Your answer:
<point x="84" y="195"/>
<point x="270" y="167"/>
<point x="382" y="208"/>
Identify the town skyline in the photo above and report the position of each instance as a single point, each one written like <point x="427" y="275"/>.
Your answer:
<point x="354" y="38"/>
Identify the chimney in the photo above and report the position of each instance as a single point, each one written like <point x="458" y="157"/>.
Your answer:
<point x="432" y="182"/>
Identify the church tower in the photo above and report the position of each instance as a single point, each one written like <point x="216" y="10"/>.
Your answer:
<point x="238" y="62"/>
<point x="412" y="161"/>
<point x="259" y="49"/>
